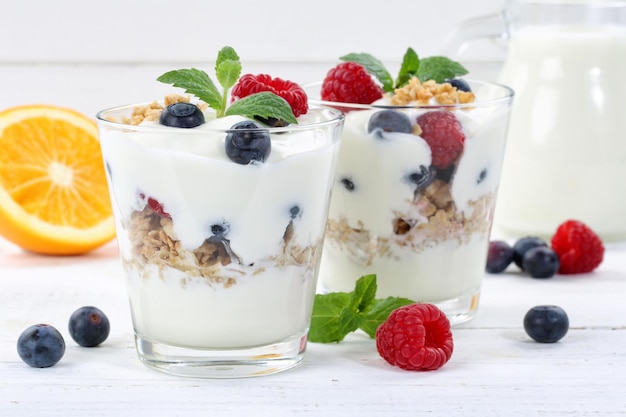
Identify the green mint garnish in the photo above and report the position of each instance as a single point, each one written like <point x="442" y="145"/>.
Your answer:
<point x="227" y="70"/>
<point x="410" y="66"/>
<point x="437" y="68"/>
<point x="265" y="105"/>
<point x="338" y="313"/>
<point x="198" y="83"/>
<point x="373" y="66"/>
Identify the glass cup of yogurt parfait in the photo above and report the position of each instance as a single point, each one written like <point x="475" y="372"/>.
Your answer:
<point x="221" y="252"/>
<point x="415" y="190"/>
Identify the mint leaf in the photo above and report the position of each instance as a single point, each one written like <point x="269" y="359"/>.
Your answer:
<point x="439" y="68"/>
<point x="228" y="73"/>
<point x="195" y="82"/>
<point x="409" y="67"/>
<point x="379" y="311"/>
<point x="227" y="70"/>
<point x="373" y="66"/>
<point x="338" y="313"/>
<point x="325" y="322"/>
<point x="349" y="321"/>
<point x="364" y="293"/>
<point x="264" y="104"/>
<point x="227" y="67"/>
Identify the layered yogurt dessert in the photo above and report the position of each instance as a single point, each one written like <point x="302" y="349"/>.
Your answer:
<point x="220" y="216"/>
<point x="416" y="182"/>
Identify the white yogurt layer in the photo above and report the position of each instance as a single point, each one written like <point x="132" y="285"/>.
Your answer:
<point x="268" y="295"/>
<point x="429" y="266"/>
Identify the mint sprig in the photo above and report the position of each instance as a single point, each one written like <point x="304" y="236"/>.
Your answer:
<point x="373" y="66"/>
<point x="338" y="313"/>
<point x="228" y="70"/>
<point x="437" y="68"/>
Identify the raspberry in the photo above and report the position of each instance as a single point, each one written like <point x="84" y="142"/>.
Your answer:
<point x="350" y="82"/>
<point x="250" y="84"/>
<point x="155" y="206"/>
<point x="444" y="134"/>
<point x="415" y="337"/>
<point x="580" y="250"/>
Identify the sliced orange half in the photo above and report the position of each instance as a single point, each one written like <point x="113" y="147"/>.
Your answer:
<point x="53" y="190"/>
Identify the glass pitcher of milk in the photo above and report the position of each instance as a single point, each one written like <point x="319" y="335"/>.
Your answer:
<point x="566" y="149"/>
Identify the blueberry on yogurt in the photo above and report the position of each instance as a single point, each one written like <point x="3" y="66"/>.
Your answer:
<point x="389" y="121"/>
<point x="295" y="211"/>
<point x="459" y="83"/>
<point x="185" y="115"/>
<point x="347" y="183"/>
<point x="422" y="177"/>
<point x="248" y="142"/>
<point x="220" y="229"/>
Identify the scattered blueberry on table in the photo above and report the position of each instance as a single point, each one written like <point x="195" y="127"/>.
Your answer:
<point x="89" y="326"/>
<point x="546" y="323"/>
<point x="41" y="346"/>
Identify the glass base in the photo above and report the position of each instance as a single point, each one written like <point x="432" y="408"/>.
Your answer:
<point x="460" y="309"/>
<point x="221" y="363"/>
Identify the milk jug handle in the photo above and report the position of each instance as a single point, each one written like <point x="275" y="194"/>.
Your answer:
<point x="490" y="26"/>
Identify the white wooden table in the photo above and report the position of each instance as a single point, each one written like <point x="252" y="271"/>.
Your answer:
<point x="495" y="369"/>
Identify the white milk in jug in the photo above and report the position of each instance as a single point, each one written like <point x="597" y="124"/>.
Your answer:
<point x="566" y="150"/>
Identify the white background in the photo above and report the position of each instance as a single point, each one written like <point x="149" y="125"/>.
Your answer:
<point x="90" y="55"/>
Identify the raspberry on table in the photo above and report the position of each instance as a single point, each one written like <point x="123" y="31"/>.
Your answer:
<point x="293" y="94"/>
<point x="350" y="82"/>
<point x="444" y="134"/>
<point x="415" y="337"/>
<point x="579" y="248"/>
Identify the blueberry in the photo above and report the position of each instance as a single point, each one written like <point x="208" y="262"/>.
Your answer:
<point x="499" y="256"/>
<point x="481" y="176"/>
<point x="220" y="230"/>
<point x="252" y="143"/>
<point x="389" y="121"/>
<point x="41" y="346"/>
<point x="546" y="323"/>
<point x="272" y="121"/>
<point x="522" y="246"/>
<point x="295" y="211"/>
<point x="541" y="262"/>
<point x="89" y="326"/>
<point x="446" y="174"/>
<point x="422" y="178"/>
<point x="182" y="115"/>
<point x="459" y="83"/>
<point x="347" y="183"/>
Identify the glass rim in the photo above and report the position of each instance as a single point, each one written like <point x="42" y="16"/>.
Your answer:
<point x="508" y="94"/>
<point x="336" y="120"/>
